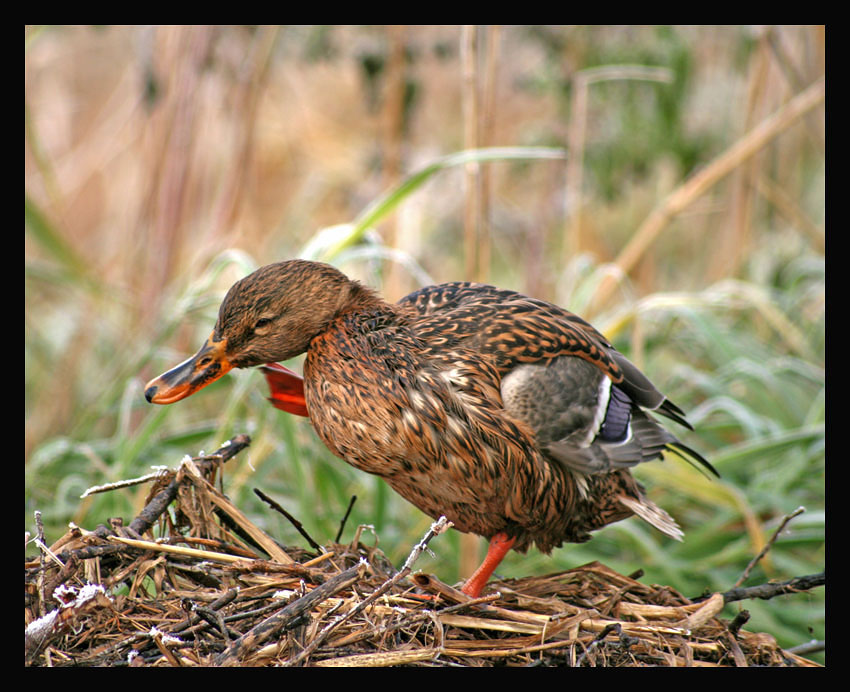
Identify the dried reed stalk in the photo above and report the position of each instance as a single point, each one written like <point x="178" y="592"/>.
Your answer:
<point x="701" y="181"/>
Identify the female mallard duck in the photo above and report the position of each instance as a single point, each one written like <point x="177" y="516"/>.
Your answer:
<point x="512" y="417"/>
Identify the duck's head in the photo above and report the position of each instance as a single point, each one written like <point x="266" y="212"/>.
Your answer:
<point x="268" y="316"/>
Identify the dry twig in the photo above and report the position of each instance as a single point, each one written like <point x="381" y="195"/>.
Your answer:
<point x="211" y="604"/>
<point x="768" y="545"/>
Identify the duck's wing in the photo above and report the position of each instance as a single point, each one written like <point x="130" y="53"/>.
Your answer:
<point x="514" y="329"/>
<point x="586" y="403"/>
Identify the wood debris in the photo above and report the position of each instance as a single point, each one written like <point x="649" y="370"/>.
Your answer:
<point x="215" y="590"/>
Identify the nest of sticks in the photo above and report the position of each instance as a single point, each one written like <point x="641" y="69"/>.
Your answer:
<point x="215" y="590"/>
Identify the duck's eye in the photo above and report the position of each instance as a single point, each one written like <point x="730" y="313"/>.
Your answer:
<point x="262" y="322"/>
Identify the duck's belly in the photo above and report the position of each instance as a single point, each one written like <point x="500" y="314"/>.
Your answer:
<point x="442" y="441"/>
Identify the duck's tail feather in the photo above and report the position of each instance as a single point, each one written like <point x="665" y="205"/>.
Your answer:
<point x="651" y="513"/>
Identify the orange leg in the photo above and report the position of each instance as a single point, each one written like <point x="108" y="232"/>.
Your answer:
<point x="500" y="544"/>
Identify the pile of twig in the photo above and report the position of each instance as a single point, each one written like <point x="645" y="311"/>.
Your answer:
<point x="204" y="595"/>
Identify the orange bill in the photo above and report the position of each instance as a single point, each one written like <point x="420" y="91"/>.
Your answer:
<point x="287" y="389"/>
<point x="206" y="366"/>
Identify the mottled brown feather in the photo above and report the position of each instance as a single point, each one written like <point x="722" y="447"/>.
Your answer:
<point x="411" y="392"/>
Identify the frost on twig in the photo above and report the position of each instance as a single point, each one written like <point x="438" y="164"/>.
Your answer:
<point x="440" y="526"/>
<point x="75" y="603"/>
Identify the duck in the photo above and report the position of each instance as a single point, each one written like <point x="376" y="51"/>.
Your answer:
<point x="511" y="416"/>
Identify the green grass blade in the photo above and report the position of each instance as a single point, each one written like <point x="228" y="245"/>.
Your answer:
<point x="385" y="204"/>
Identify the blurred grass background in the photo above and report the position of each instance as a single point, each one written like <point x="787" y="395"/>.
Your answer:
<point x="687" y="221"/>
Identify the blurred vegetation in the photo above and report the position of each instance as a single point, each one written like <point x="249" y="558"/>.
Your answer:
<point x="163" y="163"/>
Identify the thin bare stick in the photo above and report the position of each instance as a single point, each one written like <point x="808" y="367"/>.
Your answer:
<point x="345" y="518"/>
<point x="471" y="138"/>
<point x="292" y="520"/>
<point x="577" y="135"/>
<point x="768" y="591"/>
<point x="768" y="545"/>
<point x="127" y="483"/>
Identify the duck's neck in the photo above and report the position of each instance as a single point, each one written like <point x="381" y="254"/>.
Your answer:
<point x="360" y="298"/>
